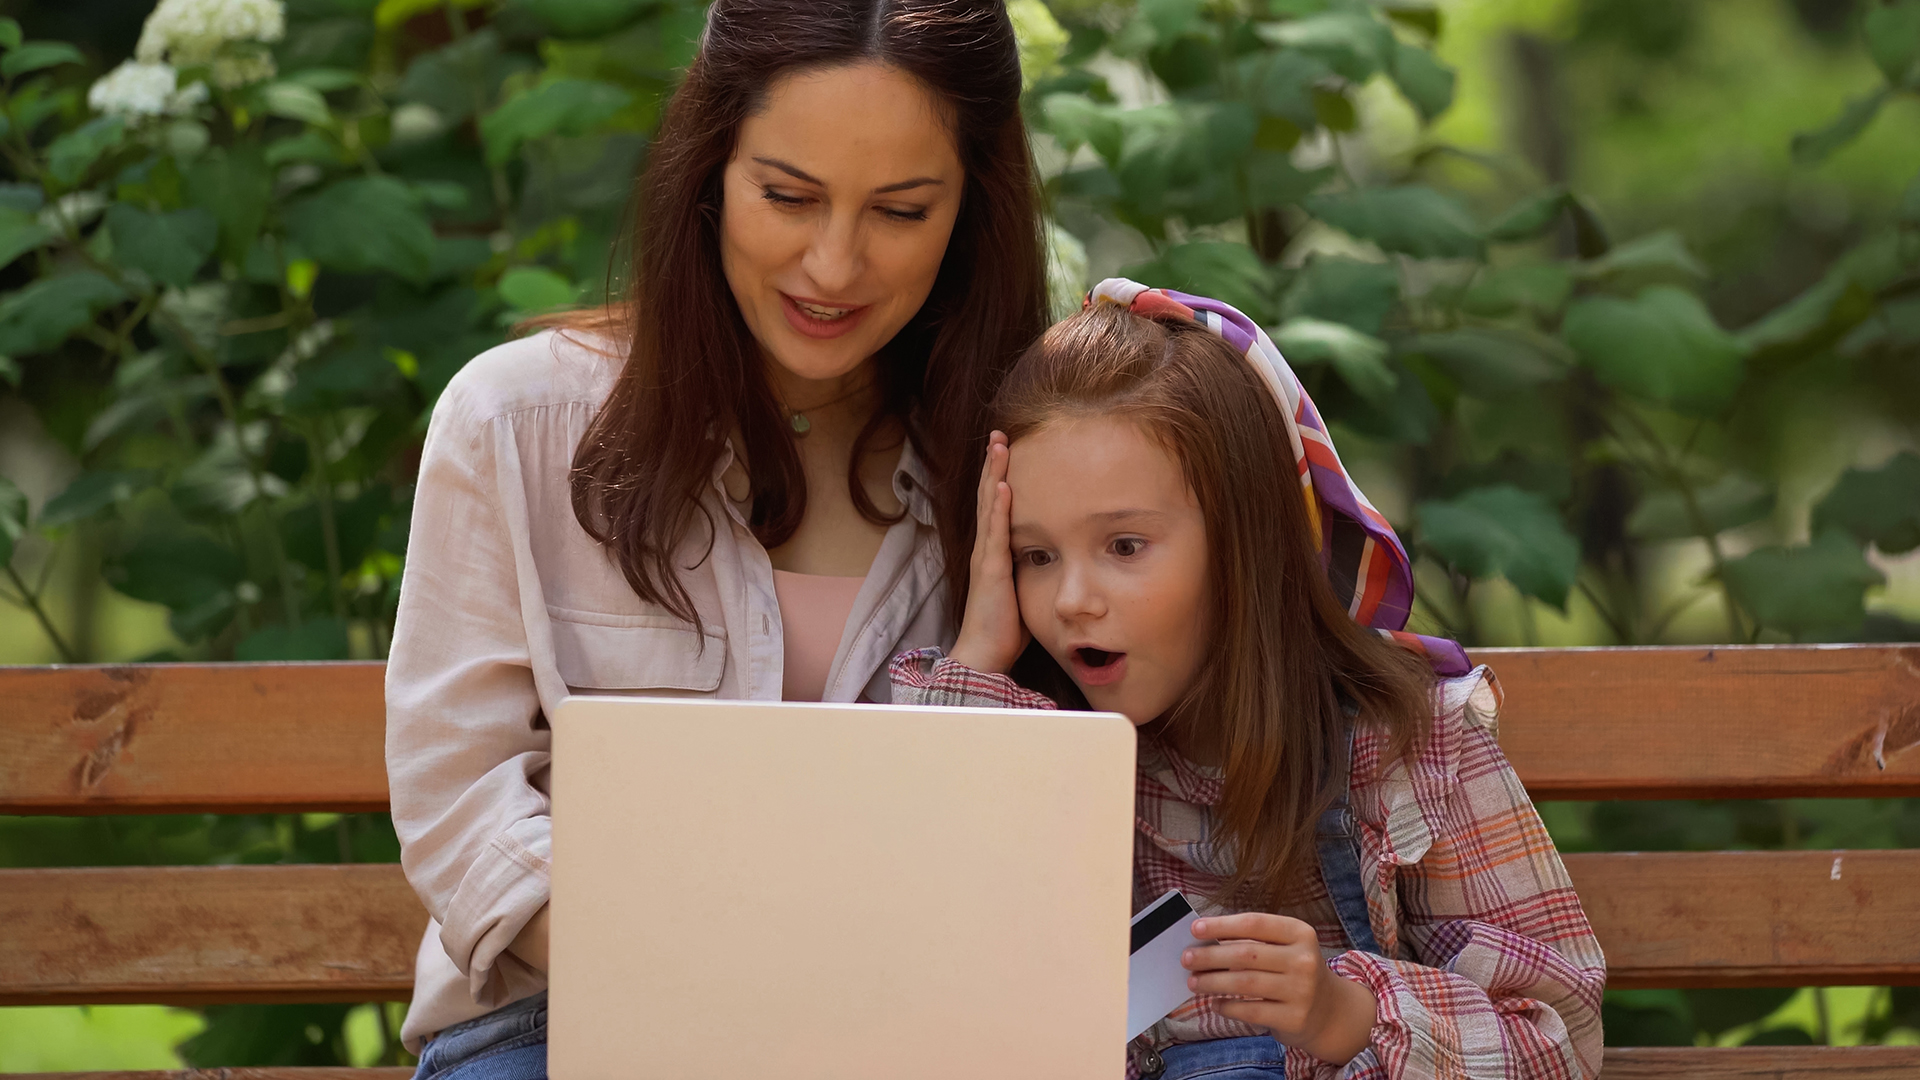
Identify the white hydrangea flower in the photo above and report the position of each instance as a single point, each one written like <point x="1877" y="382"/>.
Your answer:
<point x="137" y="89"/>
<point x="193" y="32"/>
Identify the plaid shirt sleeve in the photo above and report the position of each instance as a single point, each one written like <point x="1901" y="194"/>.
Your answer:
<point x="1506" y="976"/>
<point x="929" y="677"/>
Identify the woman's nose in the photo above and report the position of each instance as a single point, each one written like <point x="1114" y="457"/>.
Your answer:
<point x="836" y="257"/>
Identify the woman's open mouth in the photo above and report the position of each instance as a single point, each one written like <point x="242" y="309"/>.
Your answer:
<point x="1097" y="667"/>
<point x="816" y="319"/>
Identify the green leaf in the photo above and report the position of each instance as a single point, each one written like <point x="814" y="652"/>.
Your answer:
<point x="41" y="315"/>
<point x="1412" y="220"/>
<point x="583" y="18"/>
<point x="562" y="107"/>
<point x="1892" y="33"/>
<point x="72" y="154"/>
<point x="1540" y="288"/>
<point x="13" y="518"/>
<point x="1274" y="181"/>
<point x="1281" y="82"/>
<point x="1495" y="362"/>
<point x="1656" y="258"/>
<point x="1730" y="502"/>
<point x="451" y="80"/>
<point x="1506" y="531"/>
<point x="1425" y="81"/>
<point x="183" y="570"/>
<point x="1530" y="217"/>
<point x="92" y="492"/>
<point x="235" y="185"/>
<point x="1877" y="506"/>
<point x="534" y="289"/>
<point x="1076" y="120"/>
<point x="1354" y="44"/>
<point x="295" y="102"/>
<point x="21" y="232"/>
<point x="364" y="225"/>
<point x="35" y="55"/>
<point x="1662" y="346"/>
<point x="9" y="33"/>
<point x="170" y="248"/>
<point x="315" y="639"/>
<point x="10" y="371"/>
<point x="1225" y="271"/>
<point x="1804" y="590"/>
<point x="1351" y="291"/>
<point x="1361" y="359"/>
<point x="1814" y="147"/>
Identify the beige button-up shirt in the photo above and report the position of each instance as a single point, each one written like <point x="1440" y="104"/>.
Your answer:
<point x="507" y="606"/>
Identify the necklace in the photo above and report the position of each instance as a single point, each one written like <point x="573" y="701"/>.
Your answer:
<point x="798" y="419"/>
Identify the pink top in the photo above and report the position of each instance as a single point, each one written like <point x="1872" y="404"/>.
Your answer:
<point x="813" y="617"/>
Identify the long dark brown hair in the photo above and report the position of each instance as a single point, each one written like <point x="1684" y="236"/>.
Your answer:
<point x="694" y="373"/>
<point x="1285" y="663"/>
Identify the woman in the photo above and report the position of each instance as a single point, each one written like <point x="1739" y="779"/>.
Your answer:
<point x="753" y="480"/>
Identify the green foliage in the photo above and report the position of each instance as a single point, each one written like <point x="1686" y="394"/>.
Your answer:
<point x="1504" y="530"/>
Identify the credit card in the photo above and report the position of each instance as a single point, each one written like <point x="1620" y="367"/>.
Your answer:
<point x="1156" y="983"/>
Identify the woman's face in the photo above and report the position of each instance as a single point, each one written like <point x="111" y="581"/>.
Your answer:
<point x="838" y="202"/>
<point x="1110" y="561"/>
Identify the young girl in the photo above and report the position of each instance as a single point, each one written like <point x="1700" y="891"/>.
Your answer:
<point x="1166" y="523"/>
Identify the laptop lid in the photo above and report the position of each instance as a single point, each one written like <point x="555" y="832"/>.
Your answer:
<point x="848" y="891"/>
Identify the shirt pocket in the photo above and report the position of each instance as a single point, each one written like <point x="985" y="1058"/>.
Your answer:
<point x="595" y="651"/>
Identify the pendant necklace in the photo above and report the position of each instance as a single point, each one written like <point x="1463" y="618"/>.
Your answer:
<point x="798" y="420"/>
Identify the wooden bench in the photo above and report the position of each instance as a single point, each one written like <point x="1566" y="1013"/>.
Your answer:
<point x="1650" y="723"/>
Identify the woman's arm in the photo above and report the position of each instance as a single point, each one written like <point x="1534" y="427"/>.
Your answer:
<point x="467" y="761"/>
<point x="1507" y="976"/>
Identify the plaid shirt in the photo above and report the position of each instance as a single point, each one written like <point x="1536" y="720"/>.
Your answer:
<point x="1490" y="969"/>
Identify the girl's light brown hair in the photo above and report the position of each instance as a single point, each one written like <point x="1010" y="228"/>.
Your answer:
<point x="694" y="372"/>
<point x="1285" y="662"/>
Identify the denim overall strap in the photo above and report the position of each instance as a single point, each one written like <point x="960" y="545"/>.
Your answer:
<point x="1339" y="846"/>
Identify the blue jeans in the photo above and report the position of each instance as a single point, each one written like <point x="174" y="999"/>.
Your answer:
<point x="1256" y="1057"/>
<point x="508" y="1043"/>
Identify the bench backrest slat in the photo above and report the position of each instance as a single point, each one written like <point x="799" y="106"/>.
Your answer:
<point x="1738" y="722"/>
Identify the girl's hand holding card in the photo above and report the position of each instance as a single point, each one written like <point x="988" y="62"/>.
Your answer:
<point x="991" y="633"/>
<point x="1272" y="965"/>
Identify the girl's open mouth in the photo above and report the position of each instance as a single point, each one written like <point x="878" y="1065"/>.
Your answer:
<point x="1097" y="667"/>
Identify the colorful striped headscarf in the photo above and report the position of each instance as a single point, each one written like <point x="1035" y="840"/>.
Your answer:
<point x="1365" y="562"/>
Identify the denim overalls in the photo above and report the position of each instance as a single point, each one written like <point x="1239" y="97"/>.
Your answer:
<point x="511" y="1043"/>
<point x="1259" y="1057"/>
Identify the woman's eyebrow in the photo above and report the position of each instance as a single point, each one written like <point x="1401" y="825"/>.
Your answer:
<point x="801" y="175"/>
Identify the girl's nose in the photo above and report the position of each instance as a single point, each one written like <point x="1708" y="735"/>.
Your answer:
<point x="1079" y="596"/>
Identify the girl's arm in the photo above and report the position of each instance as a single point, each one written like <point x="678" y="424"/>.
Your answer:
<point x="1507" y="976"/>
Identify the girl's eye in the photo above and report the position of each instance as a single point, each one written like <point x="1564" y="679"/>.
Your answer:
<point x="778" y="199"/>
<point x="904" y="215"/>
<point x="1035" y="558"/>
<point x="1128" y="546"/>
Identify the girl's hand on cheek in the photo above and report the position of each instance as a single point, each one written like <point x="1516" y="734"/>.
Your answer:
<point x="1273" y="965"/>
<point x="991" y="633"/>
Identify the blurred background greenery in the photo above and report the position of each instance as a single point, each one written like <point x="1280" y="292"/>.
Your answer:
<point x="1615" y="305"/>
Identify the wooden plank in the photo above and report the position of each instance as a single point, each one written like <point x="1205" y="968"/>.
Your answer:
<point x="195" y="935"/>
<point x="153" y="738"/>
<point x="1694" y="722"/>
<point x="1754" y="918"/>
<point x="191" y="935"/>
<point x="1578" y="724"/>
<point x="1761" y="1063"/>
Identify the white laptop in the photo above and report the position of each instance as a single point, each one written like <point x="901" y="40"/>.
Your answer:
<point x="860" y="892"/>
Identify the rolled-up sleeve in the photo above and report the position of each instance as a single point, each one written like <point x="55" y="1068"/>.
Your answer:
<point x="467" y="753"/>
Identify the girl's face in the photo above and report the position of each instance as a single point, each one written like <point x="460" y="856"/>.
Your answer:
<point x="837" y="206"/>
<point x="1110" y="561"/>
